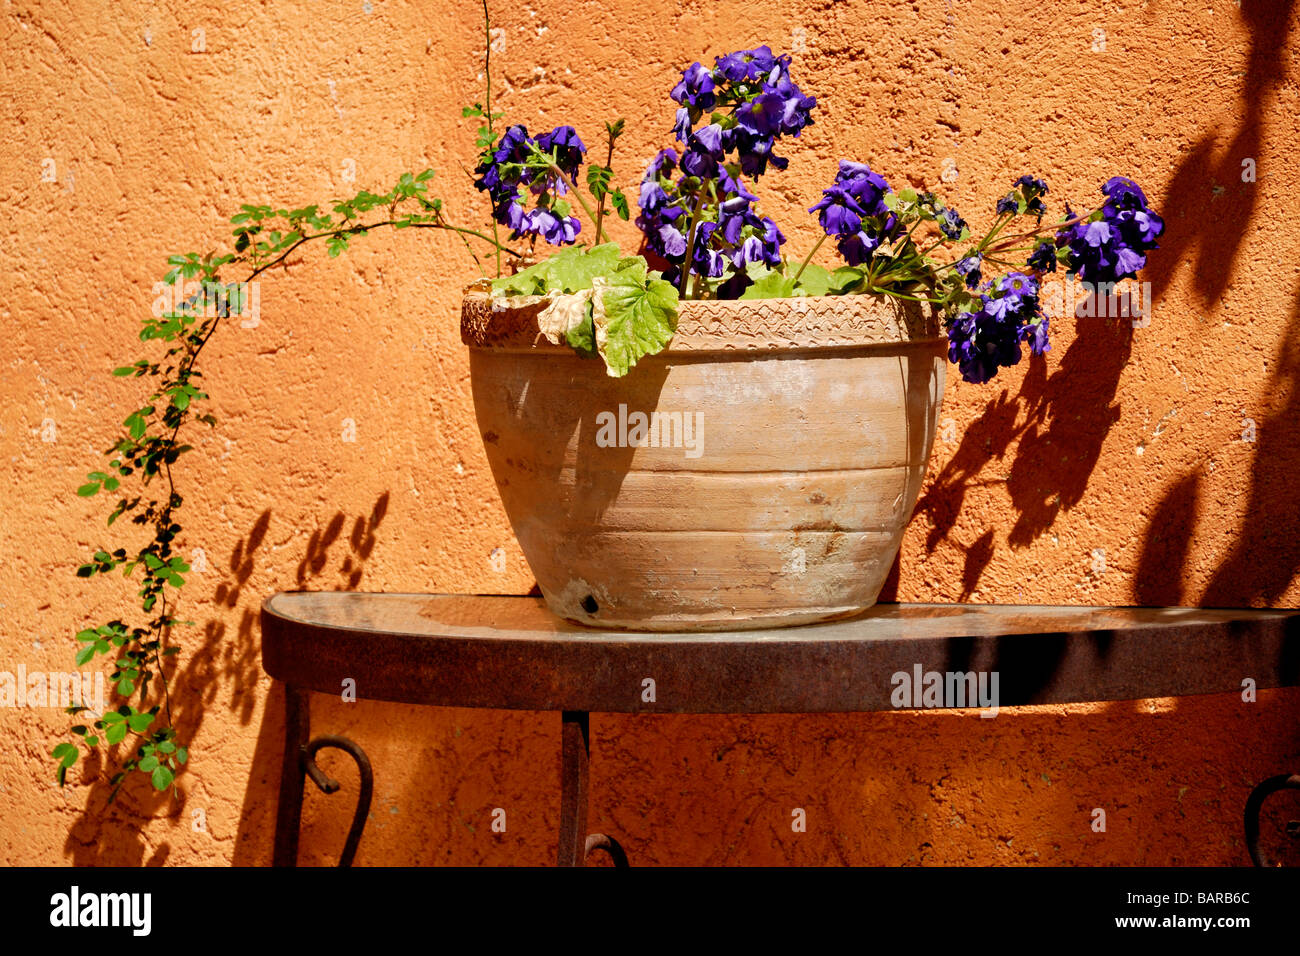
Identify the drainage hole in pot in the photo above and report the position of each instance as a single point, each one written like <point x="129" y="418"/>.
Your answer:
<point x="589" y="604"/>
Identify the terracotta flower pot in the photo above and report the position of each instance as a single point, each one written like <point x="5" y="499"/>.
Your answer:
<point x="783" y="449"/>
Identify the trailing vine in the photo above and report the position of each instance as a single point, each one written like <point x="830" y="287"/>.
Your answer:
<point x="264" y="237"/>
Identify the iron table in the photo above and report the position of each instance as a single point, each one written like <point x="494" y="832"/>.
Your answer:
<point x="512" y="653"/>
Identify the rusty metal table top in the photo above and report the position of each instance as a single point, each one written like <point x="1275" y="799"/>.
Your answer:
<point x="512" y="653"/>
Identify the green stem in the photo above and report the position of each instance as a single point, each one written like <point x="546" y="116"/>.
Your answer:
<point x="1002" y="220"/>
<point x="902" y="295"/>
<point x="600" y="210"/>
<point x="487" y="74"/>
<point x="600" y="233"/>
<point x="690" y="243"/>
<point x="1042" y="229"/>
<point x="803" y="265"/>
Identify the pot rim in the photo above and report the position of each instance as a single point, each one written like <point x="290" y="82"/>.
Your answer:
<point x="728" y="325"/>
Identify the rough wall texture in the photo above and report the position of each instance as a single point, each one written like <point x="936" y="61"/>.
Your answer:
<point x="1150" y="466"/>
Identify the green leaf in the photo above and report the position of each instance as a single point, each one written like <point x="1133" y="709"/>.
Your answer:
<point x="148" y="763"/>
<point x="638" y="319"/>
<point x="847" y="279"/>
<point x="88" y="489"/>
<point x="620" y="204"/>
<point x="162" y="777"/>
<point x="140" y="722"/>
<point x="182" y="755"/>
<point x="771" y="285"/>
<point x="582" y="336"/>
<point x="85" y="654"/>
<point x="66" y="754"/>
<point x="598" y="178"/>
<point x="569" y="271"/>
<point x="115" y="733"/>
<point x="573" y="269"/>
<point x="814" y="280"/>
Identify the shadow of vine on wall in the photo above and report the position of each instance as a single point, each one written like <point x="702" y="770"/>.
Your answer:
<point x="223" y="661"/>
<point x="1053" y="429"/>
<point x="1210" y="206"/>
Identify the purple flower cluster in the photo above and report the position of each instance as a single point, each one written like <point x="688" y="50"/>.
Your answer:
<point x="731" y="238"/>
<point x="765" y="104"/>
<point x="511" y="173"/>
<point x="1112" y="244"/>
<point x="988" y="337"/>
<point x="853" y="212"/>
<point x="1032" y="189"/>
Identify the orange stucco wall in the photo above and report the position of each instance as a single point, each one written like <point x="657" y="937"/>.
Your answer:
<point x="1150" y="466"/>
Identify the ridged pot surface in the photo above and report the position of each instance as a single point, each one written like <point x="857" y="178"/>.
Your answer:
<point x="785" y="445"/>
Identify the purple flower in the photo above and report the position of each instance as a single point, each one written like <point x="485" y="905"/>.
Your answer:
<point x="951" y="224"/>
<point x="1008" y="205"/>
<point x="1033" y="190"/>
<point x="1035" y="333"/>
<point x="763" y="115"/>
<point x="682" y="127"/>
<point x="838" y="212"/>
<point x="755" y="153"/>
<point x="1125" y="193"/>
<point x="709" y="139"/>
<point x="1043" y="258"/>
<point x="1112" y="244"/>
<point x="696" y="88"/>
<point x="853" y="210"/>
<point x="557" y="230"/>
<point x="746" y="65"/>
<point x="697" y="162"/>
<point x="563" y="142"/>
<point x="866" y="187"/>
<point x="504" y="175"/>
<point x="653" y="196"/>
<point x="664" y="163"/>
<point x="1096" y="234"/>
<point x="1030" y="184"/>
<point x="512" y="149"/>
<point x="970" y="268"/>
<point x="797" y="108"/>
<point x="760" y="103"/>
<point x="988" y="337"/>
<point x="670" y="242"/>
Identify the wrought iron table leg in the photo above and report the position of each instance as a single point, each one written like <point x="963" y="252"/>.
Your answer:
<point x="300" y="762"/>
<point x="1255" y="805"/>
<point x="575" y="749"/>
<point x="288" y="817"/>
<point x="329" y="785"/>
